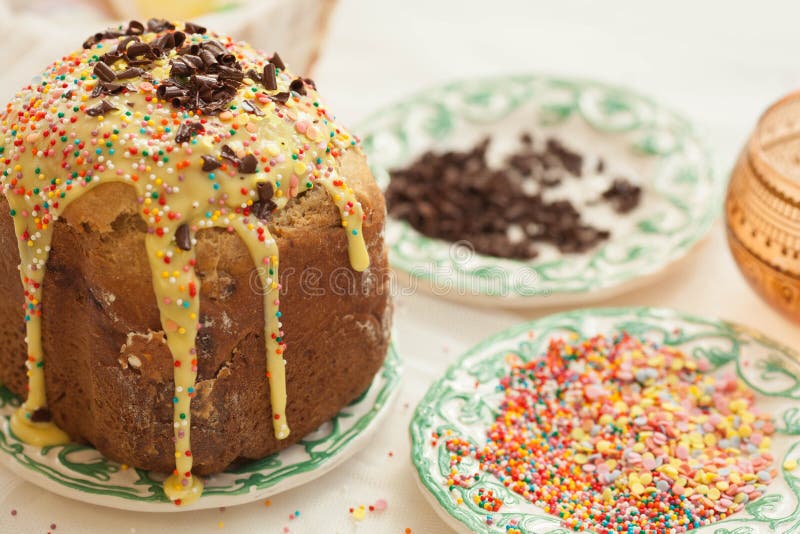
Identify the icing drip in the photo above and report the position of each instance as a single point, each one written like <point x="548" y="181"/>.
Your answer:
<point x="59" y="143"/>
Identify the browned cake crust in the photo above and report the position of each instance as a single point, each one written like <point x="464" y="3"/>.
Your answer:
<point x="108" y="372"/>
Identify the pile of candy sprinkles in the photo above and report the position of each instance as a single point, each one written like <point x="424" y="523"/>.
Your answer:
<point x="624" y="435"/>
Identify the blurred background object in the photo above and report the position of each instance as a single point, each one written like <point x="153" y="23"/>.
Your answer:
<point x="762" y="209"/>
<point x="295" y="28"/>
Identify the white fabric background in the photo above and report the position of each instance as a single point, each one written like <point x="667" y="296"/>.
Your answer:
<point x="719" y="62"/>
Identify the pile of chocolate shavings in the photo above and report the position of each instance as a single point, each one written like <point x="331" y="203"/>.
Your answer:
<point x="501" y="211"/>
<point x="203" y="76"/>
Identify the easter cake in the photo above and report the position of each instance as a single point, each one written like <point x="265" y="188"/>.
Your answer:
<point x="196" y="248"/>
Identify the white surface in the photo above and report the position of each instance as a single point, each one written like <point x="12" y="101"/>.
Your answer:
<point x="719" y="62"/>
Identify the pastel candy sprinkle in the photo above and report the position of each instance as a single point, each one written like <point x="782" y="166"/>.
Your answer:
<point x="622" y="435"/>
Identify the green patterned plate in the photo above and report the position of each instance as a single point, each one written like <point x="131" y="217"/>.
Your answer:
<point x="465" y="399"/>
<point x="81" y="473"/>
<point x="636" y="137"/>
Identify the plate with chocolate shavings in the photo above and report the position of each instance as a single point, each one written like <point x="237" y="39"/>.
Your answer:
<point x="615" y="420"/>
<point x="532" y="190"/>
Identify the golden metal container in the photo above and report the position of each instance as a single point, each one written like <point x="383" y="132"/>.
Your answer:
<point x="762" y="208"/>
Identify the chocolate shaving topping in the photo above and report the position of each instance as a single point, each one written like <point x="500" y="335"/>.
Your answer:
<point x="159" y="25"/>
<point x="298" y="86"/>
<point x="108" y="89"/>
<point x="41" y="415"/>
<point x="269" y="79"/>
<point x="168" y="41"/>
<point x="135" y="28"/>
<point x="132" y="72"/>
<point x="183" y="238"/>
<point x="248" y="164"/>
<point x="265" y="191"/>
<point x="310" y="82"/>
<point x="228" y="153"/>
<point x="191" y="27"/>
<point x="277" y="61"/>
<point x="249" y="107"/>
<point x="99" y="109"/>
<point x="104" y="72"/>
<point x="187" y="130"/>
<point x="204" y="76"/>
<point x="623" y="195"/>
<point x="280" y="97"/>
<point x="110" y="58"/>
<point x="100" y="36"/>
<point x="265" y="205"/>
<point x="262" y="210"/>
<point x="137" y="49"/>
<point x="208" y="77"/>
<point x="210" y="163"/>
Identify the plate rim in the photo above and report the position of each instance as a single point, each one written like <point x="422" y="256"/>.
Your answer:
<point x="416" y="435"/>
<point x="390" y="373"/>
<point x="599" y="289"/>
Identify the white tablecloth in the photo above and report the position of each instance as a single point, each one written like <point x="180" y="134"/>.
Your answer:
<point x="718" y="62"/>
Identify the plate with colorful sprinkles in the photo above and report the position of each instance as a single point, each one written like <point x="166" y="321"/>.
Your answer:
<point x="549" y="191"/>
<point x="80" y="472"/>
<point x="615" y="420"/>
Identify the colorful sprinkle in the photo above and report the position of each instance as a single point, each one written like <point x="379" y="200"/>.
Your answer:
<point x="622" y="435"/>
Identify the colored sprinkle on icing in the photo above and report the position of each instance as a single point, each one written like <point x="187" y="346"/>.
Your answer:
<point x="622" y="435"/>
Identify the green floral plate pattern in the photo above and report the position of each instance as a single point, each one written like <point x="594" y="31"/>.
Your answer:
<point x="636" y="137"/>
<point x="80" y="472"/>
<point x="465" y="400"/>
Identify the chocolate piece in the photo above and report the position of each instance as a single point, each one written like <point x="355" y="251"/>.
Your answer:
<point x="623" y="195"/>
<point x="138" y="48"/>
<point x="170" y="91"/>
<point x="268" y="78"/>
<point x="277" y="61"/>
<point x="310" y="82"/>
<point x="100" y="36"/>
<point x="298" y="86"/>
<point x="159" y="25"/>
<point x="210" y="163"/>
<point x="132" y="72"/>
<point x="226" y="59"/>
<point x="191" y="27"/>
<point x="281" y="98"/>
<point x="248" y="164"/>
<point x="265" y="191"/>
<point x="195" y="62"/>
<point x="571" y="161"/>
<point x="249" y="107"/>
<point x="263" y="210"/>
<point x="187" y="130"/>
<point x="110" y="58"/>
<point x="209" y="59"/>
<point x="214" y="46"/>
<point x="183" y="237"/>
<point x="103" y="71"/>
<point x="41" y="415"/>
<point x="99" y="109"/>
<point x="135" y="28"/>
<point x="107" y="89"/>
<point x="228" y="153"/>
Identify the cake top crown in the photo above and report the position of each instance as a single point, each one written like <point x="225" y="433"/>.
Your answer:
<point x="165" y="98"/>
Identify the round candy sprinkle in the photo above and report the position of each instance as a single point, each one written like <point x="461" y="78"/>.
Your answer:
<point x="623" y="435"/>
